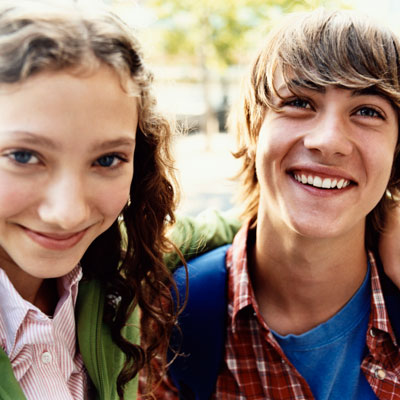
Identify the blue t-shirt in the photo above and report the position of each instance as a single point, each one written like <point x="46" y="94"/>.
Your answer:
<point x="329" y="356"/>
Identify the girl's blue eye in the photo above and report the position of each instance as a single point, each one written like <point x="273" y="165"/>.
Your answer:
<point x="23" y="157"/>
<point x="106" y="161"/>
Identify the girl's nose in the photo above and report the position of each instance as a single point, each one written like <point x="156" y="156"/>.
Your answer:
<point x="65" y="204"/>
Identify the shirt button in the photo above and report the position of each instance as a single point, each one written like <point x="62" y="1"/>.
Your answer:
<point x="372" y="332"/>
<point x="46" y="357"/>
<point x="380" y="374"/>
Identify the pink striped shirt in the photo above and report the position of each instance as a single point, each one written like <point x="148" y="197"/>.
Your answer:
<point x="42" y="350"/>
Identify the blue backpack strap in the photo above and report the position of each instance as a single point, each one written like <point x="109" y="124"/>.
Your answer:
<point x="201" y="344"/>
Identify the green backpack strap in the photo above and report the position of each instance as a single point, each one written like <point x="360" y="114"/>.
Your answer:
<point x="9" y="386"/>
<point x="103" y="359"/>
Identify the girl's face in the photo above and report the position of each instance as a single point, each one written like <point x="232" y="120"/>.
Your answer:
<point x="66" y="165"/>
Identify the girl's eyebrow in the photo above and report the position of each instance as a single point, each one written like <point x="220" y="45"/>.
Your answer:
<point x="126" y="141"/>
<point x="39" y="140"/>
<point x="34" y="139"/>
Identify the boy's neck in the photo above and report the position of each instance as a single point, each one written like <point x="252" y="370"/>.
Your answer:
<point x="300" y="283"/>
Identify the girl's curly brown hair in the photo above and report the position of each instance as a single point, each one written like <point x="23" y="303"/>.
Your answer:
<point x="38" y="36"/>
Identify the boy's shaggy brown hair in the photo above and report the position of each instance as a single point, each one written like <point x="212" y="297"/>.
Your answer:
<point x="313" y="50"/>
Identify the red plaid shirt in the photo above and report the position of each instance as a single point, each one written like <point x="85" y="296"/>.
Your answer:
<point x="255" y="366"/>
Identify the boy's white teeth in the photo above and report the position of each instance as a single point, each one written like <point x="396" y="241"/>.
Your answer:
<point x="325" y="183"/>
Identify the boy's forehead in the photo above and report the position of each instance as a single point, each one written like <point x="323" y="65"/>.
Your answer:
<point x="278" y="81"/>
<point x="292" y="82"/>
<point x="282" y="84"/>
<point x="291" y="79"/>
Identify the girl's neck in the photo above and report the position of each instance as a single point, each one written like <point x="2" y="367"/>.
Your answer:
<point x="42" y="293"/>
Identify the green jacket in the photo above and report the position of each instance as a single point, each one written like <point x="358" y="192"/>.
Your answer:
<point x="102" y="357"/>
<point x="197" y="235"/>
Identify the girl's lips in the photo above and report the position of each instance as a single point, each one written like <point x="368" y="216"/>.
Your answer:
<point x="53" y="241"/>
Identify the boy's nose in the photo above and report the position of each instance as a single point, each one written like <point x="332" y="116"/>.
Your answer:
<point x="330" y="137"/>
<point x="65" y="204"/>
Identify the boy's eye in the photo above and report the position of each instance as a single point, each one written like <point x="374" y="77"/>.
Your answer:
<point x="369" y="112"/>
<point x="23" y="157"/>
<point x="298" y="103"/>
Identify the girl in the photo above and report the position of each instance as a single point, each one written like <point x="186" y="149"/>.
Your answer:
<point x="82" y="150"/>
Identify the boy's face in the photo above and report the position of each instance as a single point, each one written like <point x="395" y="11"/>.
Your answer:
<point x="66" y="166"/>
<point x="324" y="161"/>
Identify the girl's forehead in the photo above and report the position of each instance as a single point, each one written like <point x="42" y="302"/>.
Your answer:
<point x="69" y="103"/>
<point x="79" y="72"/>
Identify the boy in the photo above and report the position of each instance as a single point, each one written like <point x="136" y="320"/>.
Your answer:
<point x="306" y="312"/>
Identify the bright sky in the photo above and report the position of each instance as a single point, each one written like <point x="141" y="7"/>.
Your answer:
<point x="387" y="11"/>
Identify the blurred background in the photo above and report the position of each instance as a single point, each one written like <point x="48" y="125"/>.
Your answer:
<point x="198" y="51"/>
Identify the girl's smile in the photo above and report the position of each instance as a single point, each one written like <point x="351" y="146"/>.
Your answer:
<point x="55" y="241"/>
<point x="66" y="165"/>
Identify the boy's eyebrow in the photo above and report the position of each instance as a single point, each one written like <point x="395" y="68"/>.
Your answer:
<point x="367" y="91"/>
<point x="372" y="90"/>
<point x="310" y="85"/>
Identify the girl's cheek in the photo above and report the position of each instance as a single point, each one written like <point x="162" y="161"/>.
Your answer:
<point x="16" y="194"/>
<point x="114" y="198"/>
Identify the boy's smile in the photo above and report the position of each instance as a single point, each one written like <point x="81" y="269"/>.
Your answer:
<point x="322" y="178"/>
<point x="324" y="159"/>
<point x="321" y="181"/>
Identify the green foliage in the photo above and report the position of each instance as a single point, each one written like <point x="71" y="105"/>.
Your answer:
<point x="219" y="31"/>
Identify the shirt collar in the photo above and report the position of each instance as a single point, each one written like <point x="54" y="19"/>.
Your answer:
<point x="14" y="309"/>
<point x="241" y="293"/>
<point x="379" y="318"/>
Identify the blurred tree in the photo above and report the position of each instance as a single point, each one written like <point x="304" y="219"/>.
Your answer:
<point x="216" y="32"/>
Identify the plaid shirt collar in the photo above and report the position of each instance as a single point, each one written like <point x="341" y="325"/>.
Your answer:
<point x="241" y="293"/>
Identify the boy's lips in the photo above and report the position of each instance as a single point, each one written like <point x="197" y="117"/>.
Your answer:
<point x="55" y="241"/>
<point x="321" y="182"/>
<point x="322" y="177"/>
